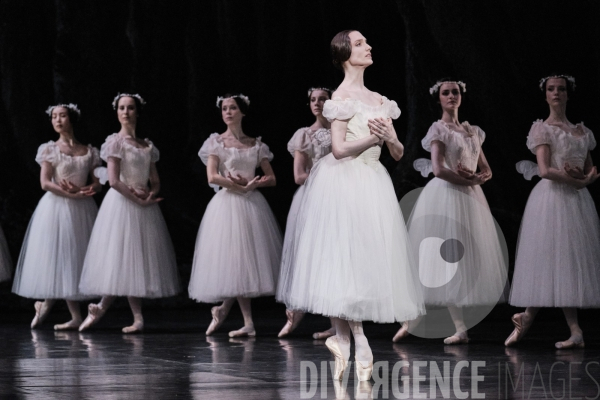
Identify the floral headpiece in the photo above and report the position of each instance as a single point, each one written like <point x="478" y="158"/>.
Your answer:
<point x="70" y="106"/>
<point x="245" y="99"/>
<point x="437" y="85"/>
<point x="566" y="77"/>
<point x="119" y="95"/>
<point x="312" y="89"/>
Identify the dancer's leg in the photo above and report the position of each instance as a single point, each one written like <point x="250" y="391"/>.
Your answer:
<point x="248" y="329"/>
<point x="522" y="322"/>
<point x="42" y="308"/>
<point x="362" y="352"/>
<point x="325" y="334"/>
<point x="460" y="337"/>
<point x="339" y="346"/>
<point x="219" y="313"/>
<point x="403" y="331"/>
<point x="75" y="321"/>
<point x="96" y="311"/>
<point x="576" y="339"/>
<point x="138" y="319"/>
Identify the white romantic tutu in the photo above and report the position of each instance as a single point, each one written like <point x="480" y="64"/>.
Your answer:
<point x="460" y="217"/>
<point x="238" y="249"/>
<point x="130" y="252"/>
<point x="558" y="252"/>
<point x="5" y="260"/>
<point x="54" y="248"/>
<point x="351" y="257"/>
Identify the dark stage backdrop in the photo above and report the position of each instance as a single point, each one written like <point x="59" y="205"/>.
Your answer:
<point x="180" y="55"/>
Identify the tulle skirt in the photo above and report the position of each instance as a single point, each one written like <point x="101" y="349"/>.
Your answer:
<point x="461" y="255"/>
<point x="5" y="260"/>
<point x="350" y="255"/>
<point x="130" y="252"/>
<point x="54" y="248"/>
<point x="238" y="249"/>
<point x="558" y="251"/>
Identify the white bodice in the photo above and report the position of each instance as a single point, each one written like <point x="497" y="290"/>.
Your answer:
<point x="316" y="144"/>
<point x="135" y="162"/>
<point x="563" y="145"/>
<point x="459" y="147"/>
<point x="242" y="162"/>
<point x="358" y="114"/>
<point x="74" y="169"/>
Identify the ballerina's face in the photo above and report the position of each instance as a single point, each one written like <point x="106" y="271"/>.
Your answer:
<point x="230" y="112"/>
<point x="556" y="91"/>
<point x="361" y="51"/>
<point x="127" y="111"/>
<point x="60" y="120"/>
<point x="317" y="100"/>
<point x="450" y="97"/>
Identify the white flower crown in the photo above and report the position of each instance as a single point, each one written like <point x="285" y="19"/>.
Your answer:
<point x="312" y="89"/>
<point x="245" y="99"/>
<point x="567" y="77"/>
<point x="70" y="106"/>
<point x="119" y="95"/>
<point x="437" y="85"/>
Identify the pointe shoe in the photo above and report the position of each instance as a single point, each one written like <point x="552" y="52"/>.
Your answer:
<point x="340" y="362"/>
<point x="138" y="326"/>
<point x="574" y="342"/>
<point x="40" y="314"/>
<point x="95" y="312"/>
<point x="324" y="335"/>
<point x="402" y="333"/>
<point x="520" y="330"/>
<point x="293" y="319"/>
<point x="364" y="373"/>
<point x="72" y="325"/>
<point x="245" y="331"/>
<point x="217" y="320"/>
<point x="457" y="338"/>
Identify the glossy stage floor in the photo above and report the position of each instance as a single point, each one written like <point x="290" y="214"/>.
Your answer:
<point x="173" y="359"/>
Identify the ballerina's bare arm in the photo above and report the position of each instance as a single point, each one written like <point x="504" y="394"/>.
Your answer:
<point x="484" y="168"/>
<point x="383" y="128"/>
<point x="114" y="179"/>
<point x="342" y="148"/>
<point x="154" y="179"/>
<point x="300" y="166"/>
<point x="93" y="187"/>
<point x="64" y="189"/>
<point x="214" y="178"/>
<point x="543" y="154"/>
<point x="438" y="156"/>
<point x="268" y="179"/>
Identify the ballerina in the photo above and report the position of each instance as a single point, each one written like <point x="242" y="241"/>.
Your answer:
<point x="455" y="195"/>
<point x="238" y="247"/>
<point x="557" y="262"/>
<point x="130" y="251"/>
<point x="351" y="256"/>
<point x="307" y="146"/>
<point x="53" y="251"/>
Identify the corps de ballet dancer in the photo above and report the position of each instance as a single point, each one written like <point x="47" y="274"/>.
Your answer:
<point x="351" y="257"/>
<point x="238" y="247"/>
<point x="5" y="259"/>
<point x="130" y="251"/>
<point x="558" y="257"/>
<point x="455" y="195"/>
<point x="307" y="146"/>
<point x="53" y="251"/>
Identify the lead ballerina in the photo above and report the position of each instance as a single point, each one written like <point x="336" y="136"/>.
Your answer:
<point x="351" y="256"/>
<point x="558" y="253"/>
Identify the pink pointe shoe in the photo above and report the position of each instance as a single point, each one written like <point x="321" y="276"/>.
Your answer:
<point x="402" y="333"/>
<point x="341" y="363"/>
<point x="95" y="312"/>
<point x="520" y="330"/>
<point x="40" y="314"/>
<point x="574" y="342"/>
<point x="218" y="316"/>
<point x="293" y="319"/>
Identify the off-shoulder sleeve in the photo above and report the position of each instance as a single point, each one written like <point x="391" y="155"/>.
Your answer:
<point x="210" y="147"/>
<point x="112" y="147"/>
<point x="480" y="133"/>
<point x="538" y="135"/>
<point x="47" y="152"/>
<point x="591" y="138"/>
<point x="96" y="161"/>
<point x="263" y="151"/>
<point x="437" y="131"/>
<point x="393" y="111"/>
<point x="300" y="142"/>
<point x="339" y="109"/>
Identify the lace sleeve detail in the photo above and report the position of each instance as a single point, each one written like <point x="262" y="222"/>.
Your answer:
<point x="480" y="134"/>
<point x="211" y="147"/>
<point x="154" y="153"/>
<point x="538" y="135"/>
<point x="437" y="131"/>
<point x="339" y="109"/>
<point x="112" y="147"/>
<point x="591" y="138"/>
<point x="393" y="111"/>
<point x="263" y="151"/>
<point x="96" y="161"/>
<point x="47" y="153"/>
<point x="300" y="142"/>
